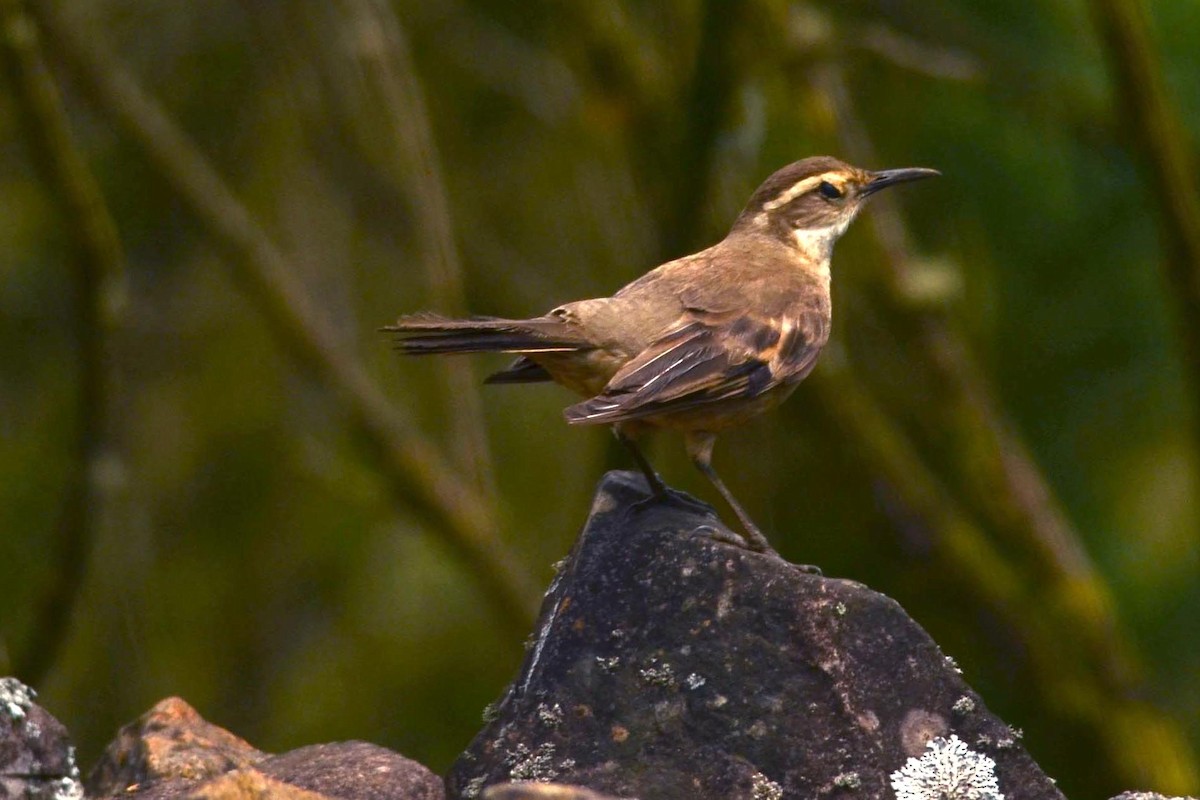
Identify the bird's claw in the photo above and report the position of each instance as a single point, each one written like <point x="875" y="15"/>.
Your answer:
<point x="721" y="535"/>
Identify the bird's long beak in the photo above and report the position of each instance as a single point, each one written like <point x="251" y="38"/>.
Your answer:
<point x="889" y="177"/>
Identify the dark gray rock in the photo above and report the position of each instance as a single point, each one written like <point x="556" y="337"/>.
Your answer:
<point x="37" y="761"/>
<point x="669" y="665"/>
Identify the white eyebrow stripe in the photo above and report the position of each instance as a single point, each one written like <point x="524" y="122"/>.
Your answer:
<point x="797" y="189"/>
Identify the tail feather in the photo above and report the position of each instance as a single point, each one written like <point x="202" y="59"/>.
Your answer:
<point x="428" y="334"/>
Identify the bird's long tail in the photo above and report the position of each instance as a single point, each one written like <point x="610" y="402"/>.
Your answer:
<point x="430" y="334"/>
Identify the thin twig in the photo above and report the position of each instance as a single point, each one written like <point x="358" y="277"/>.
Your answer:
<point x="381" y="45"/>
<point x="924" y="58"/>
<point x="1161" y="143"/>
<point x="415" y="469"/>
<point x="99" y="266"/>
<point x="522" y="70"/>
<point x="707" y="100"/>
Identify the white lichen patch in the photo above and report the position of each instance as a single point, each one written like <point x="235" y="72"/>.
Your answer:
<point x="473" y="787"/>
<point x="69" y="787"/>
<point x="533" y="765"/>
<point x="948" y="770"/>
<point x="694" y="681"/>
<point x="550" y="715"/>
<point x="848" y="780"/>
<point x="963" y="705"/>
<point x="15" y="697"/>
<point x="763" y="788"/>
<point x="608" y="663"/>
<point x="657" y="673"/>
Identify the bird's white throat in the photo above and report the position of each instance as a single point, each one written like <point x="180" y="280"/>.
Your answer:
<point x="817" y="243"/>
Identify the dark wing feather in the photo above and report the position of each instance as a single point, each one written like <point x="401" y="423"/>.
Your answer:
<point x="708" y="359"/>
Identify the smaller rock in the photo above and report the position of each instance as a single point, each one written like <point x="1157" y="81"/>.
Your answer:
<point x="172" y="753"/>
<point x="542" y="791"/>
<point x="356" y="770"/>
<point x="37" y="761"/>
<point x="170" y="741"/>
<point x="240" y="784"/>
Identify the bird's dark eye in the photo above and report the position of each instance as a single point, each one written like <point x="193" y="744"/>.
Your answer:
<point x="829" y="191"/>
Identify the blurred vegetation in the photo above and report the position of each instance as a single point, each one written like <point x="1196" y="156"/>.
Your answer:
<point x="217" y="481"/>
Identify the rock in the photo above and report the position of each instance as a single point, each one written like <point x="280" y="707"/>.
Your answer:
<point x="171" y="752"/>
<point x="355" y="770"/>
<point x="666" y="664"/>
<point x="541" y="791"/>
<point x="239" y="784"/>
<point x="37" y="761"/>
<point x="171" y="740"/>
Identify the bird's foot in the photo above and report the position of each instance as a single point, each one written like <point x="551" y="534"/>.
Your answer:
<point x="686" y="501"/>
<point x="752" y="540"/>
<point x="722" y="535"/>
<point x="726" y="536"/>
<point x="756" y="541"/>
<point x="665" y="495"/>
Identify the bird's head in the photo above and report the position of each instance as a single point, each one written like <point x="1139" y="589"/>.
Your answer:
<point x="810" y="203"/>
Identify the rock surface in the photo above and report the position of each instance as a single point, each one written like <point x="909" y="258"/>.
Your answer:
<point x="172" y="752"/>
<point x="37" y="761"/>
<point x="354" y="770"/>
<point x="667" y="665"/>
<point x="541" y="791"/>
<point x="169" y="741"/>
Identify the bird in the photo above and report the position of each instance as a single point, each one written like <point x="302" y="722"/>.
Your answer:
<point x="696" y="345"/>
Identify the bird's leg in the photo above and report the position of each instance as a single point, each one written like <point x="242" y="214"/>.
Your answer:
<point x="659" y="491"/>
<point x="700" y="447"/>
<point x="657" y="487"/>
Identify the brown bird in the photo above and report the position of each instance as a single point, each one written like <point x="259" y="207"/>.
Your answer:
<point x="700" y="343"/>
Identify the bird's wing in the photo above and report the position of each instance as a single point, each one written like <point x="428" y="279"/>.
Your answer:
<point x="708" y="358"/>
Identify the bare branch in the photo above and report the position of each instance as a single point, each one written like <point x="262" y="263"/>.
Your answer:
<point x="1160" y="142"/>
<point x="380" y="44"/>
<point x="707" y="101"/>
<point x="99" y="266"/>
<point x="415" y="469"/>
<point x="534" y="78"/>
<point x="942" y="63"/>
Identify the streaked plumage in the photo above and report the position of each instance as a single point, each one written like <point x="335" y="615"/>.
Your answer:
<point x="697" y="344"/>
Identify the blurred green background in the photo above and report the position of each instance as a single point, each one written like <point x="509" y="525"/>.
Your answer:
<point x="1002" y="435"/>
